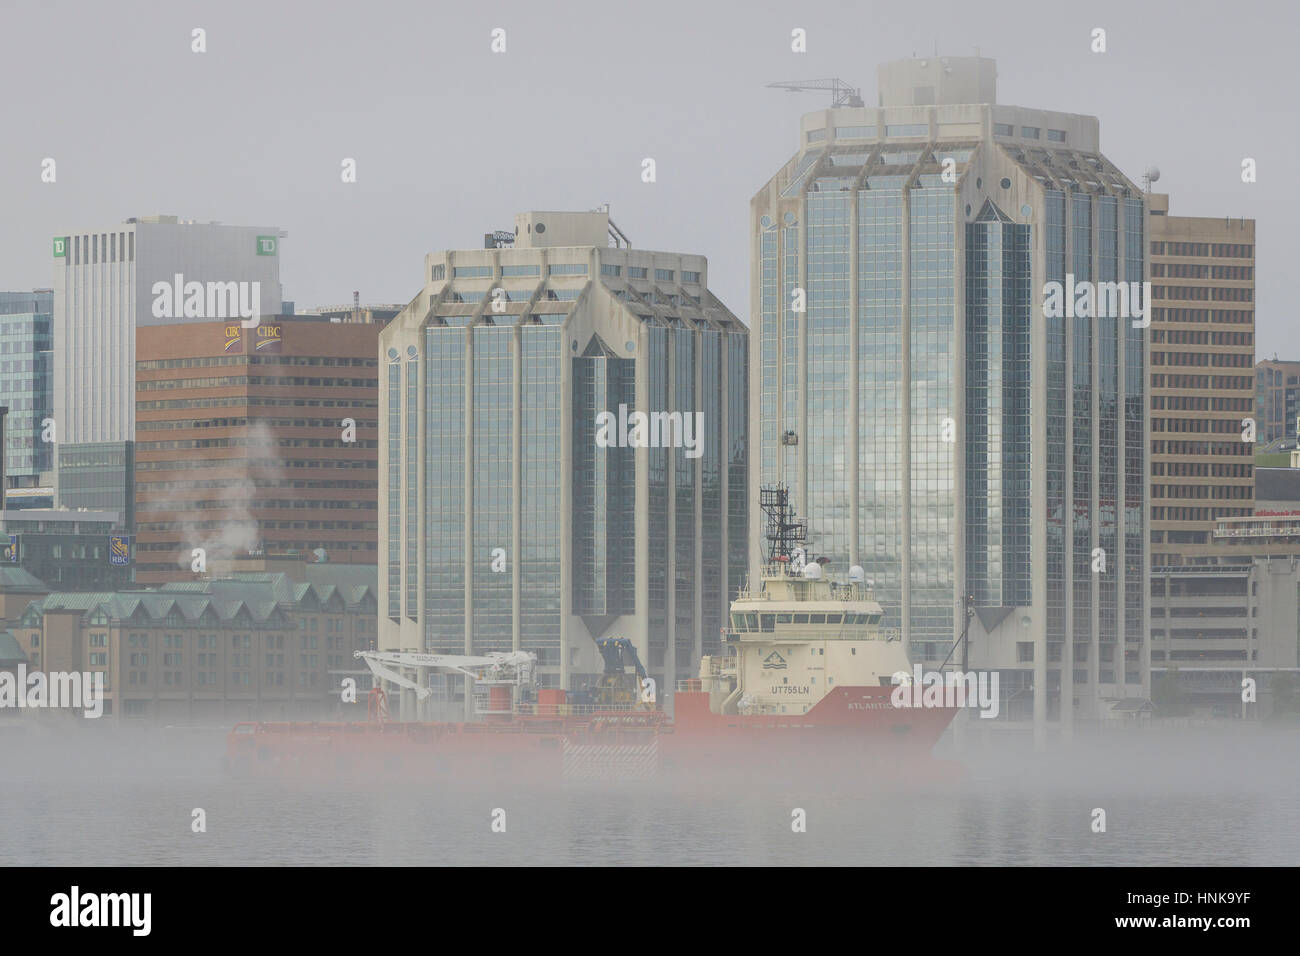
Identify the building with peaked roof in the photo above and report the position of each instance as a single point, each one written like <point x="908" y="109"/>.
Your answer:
<point x="508" y="518"/>
<point x="18" y="589"/>
<point x="245" y="647"/>
<point x="935" y="421"/>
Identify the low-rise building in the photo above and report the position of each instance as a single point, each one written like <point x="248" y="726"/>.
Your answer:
<point x="250" y="646"/>
<point x="1214" y="626"/>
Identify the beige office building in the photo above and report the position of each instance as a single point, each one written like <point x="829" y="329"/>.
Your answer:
<point x="1202" y="381"/>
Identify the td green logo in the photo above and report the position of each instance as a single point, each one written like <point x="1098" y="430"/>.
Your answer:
<point x="266" y="245"/>
<point x="60" y="247"/>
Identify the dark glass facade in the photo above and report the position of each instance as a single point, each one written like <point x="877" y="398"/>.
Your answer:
<point x="604" y="487"/>
<point x="444" y="488"/>
<point x="998" y="309"/>
<point x="492" y="592"/>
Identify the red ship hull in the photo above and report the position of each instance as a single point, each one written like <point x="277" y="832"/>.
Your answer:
<point x="852" y="731"/>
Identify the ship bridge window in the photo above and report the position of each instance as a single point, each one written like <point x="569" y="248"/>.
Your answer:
<point x="738" y="621"/>
<point x="816" y="618"/>
<point x="783" y="618"/>
<point x="751" y="622"/>
<point x="768" y="621"/>
<point x="801" y="618"/>
<point x="832" y="619"/>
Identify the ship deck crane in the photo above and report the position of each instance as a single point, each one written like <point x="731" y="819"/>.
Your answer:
<point x="513" y="667"/>
<point x="842" y="94"/>
<point x="614" y="688"/>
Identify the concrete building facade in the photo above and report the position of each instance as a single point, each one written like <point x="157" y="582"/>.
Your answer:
<point x="110" y="280"/>
<point x="517" y="511"/>
<point x="1214" y="626"/>
<point x="1202" y="380"/>
<point x="934" y="423"/>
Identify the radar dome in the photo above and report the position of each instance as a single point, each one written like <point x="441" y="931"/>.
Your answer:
<point x="857" y="575"/>
<point x="812" y="572"/>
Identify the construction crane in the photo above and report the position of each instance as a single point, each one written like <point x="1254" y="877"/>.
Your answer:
<point x="841" y="93"/>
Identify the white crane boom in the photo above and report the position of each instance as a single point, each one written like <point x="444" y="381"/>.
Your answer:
<point x="498" y="665"/>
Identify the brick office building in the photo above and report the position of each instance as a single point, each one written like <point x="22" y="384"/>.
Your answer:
<point x="254" y="442"/>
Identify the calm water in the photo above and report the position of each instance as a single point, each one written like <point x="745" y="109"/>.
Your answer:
<point x="1225" y="796"/>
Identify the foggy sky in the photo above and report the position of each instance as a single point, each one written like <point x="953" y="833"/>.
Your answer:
<point x="452" y="140"/>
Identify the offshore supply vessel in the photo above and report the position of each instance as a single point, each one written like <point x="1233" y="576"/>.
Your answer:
<point x="803" y="687"/>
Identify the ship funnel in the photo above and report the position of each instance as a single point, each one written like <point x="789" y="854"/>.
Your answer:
<point x="857" y="575"/>
<point x="812" y="572"/>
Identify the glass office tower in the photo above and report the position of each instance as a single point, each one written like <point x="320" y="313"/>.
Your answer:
<point x="517" y="512"/>
<point x="933" y="423"/>
<point x="27" y="389"/>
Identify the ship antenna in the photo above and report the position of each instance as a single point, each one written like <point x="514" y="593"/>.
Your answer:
<point x="783" y="532"/>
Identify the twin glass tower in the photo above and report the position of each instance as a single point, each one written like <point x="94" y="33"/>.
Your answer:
<point x="934" y="423"/>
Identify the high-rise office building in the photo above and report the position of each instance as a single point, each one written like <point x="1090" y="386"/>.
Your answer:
<point x="153" y="270"/>
<point x="27" y="390"/>
<point x="254" y="442"/>
<point x="1277" y="400"/>
<point x="943" y="415"/>
<point x="1202" y="381"/>
<point x="518" y="511"/>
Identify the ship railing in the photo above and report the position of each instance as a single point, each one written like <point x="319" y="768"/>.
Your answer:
<point x="577" y="710"/>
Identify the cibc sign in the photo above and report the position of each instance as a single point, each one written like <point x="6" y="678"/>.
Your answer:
<point x="266" y="338"/>
<point x="269" y="338"/>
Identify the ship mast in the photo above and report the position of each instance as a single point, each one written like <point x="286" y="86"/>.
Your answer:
<point x="783" y="531"/>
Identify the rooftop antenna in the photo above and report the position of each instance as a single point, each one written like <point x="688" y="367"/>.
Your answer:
<point x="841" y="93"/>
<point x="1150" y="175"/>
<point x="356" y="305"/>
